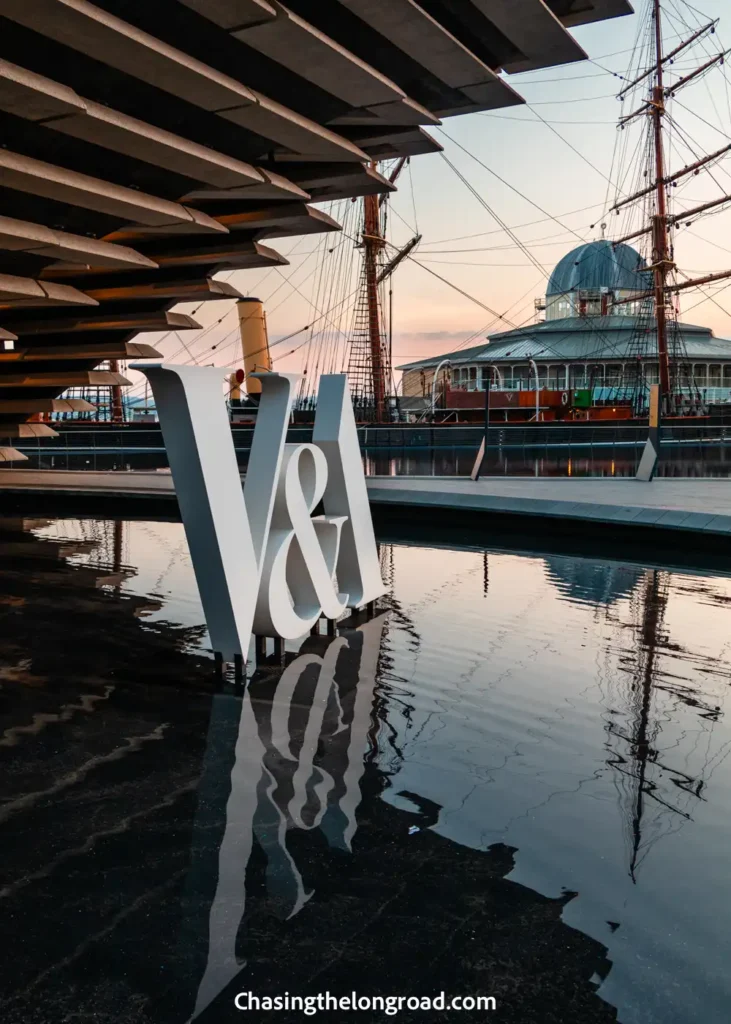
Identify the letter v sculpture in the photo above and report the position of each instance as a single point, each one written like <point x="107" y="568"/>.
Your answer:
<point x="263" y="562"/>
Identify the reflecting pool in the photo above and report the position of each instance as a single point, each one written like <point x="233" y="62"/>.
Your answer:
<point x="513" y="781"/>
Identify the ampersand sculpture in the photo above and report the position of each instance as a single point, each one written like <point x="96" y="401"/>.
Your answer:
<point x="302" y="551"/>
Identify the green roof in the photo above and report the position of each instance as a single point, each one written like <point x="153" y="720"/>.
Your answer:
<point x="579" y="339"/>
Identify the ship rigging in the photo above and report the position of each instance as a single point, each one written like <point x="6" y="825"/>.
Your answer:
<point x="631" y="332"/>
<point x="612" y="306"/>
<point x="659" y="192"/>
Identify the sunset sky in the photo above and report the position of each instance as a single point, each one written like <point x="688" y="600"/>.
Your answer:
<point x="463" y="242"/>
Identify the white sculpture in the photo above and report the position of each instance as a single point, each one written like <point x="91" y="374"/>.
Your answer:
<point x="263" y="563"/>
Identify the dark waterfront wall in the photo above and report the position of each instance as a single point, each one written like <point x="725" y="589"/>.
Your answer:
<point x="417" y="436"/>
<point x="591" y="450"/>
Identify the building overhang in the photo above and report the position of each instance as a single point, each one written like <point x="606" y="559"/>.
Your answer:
<point x="583" y="12"/>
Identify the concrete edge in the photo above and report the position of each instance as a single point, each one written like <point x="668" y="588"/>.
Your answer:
<point x="586" y="512"/>
<point x="405" y="499"/>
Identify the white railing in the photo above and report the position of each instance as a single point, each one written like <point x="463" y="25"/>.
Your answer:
<point x="601" y="391"/>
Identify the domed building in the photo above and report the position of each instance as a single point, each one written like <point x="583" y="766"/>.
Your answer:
<point x="590" y="279"/>
<point x="598" y="337"/>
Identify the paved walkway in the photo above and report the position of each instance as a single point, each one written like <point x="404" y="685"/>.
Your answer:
<point x="695" y="505"/>
<point x="140" y="483"/>
<point x="687" y="504"/>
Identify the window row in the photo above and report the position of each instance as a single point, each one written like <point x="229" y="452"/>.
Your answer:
<point x="576" y="375"/>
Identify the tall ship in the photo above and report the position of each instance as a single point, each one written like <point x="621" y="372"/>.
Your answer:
<point x="612" y="322"/>
<point x="610" y="325"/>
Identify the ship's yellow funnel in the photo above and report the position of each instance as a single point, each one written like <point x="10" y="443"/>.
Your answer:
<point x="254" y="341"/>
<point x="234" y="388"/>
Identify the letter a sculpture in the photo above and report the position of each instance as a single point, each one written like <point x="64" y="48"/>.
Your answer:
<point x="263" y="562"/>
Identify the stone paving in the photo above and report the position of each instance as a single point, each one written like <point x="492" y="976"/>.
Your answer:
<point x="693" y="504"/>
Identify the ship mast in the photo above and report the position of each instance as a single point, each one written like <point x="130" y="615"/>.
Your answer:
<point x="369" y="363"/>
<point x="373" y="244"/>
<point x="662" y="263"/>
<point x="661" y="221"/>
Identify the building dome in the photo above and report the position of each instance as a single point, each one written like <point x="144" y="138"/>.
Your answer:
<point x="598" y="266"/>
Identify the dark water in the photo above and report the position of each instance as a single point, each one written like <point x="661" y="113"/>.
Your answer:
<point x="579" y="460"/>
<point x="514" y="781"/>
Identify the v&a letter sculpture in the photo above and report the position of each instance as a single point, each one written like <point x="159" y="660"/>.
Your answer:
<point x="263" y="562"/>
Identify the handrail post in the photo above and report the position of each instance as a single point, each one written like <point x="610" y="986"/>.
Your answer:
<point x="482" y="453"/>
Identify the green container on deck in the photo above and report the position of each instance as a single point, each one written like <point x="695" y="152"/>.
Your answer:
<point x="582" y="398"/>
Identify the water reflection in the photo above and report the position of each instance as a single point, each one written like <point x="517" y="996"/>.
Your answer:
<point x="579" y="460"/>
<point x="513" y="781"/>
<point x="299" y="757"/>
<point x="594" y="582"/>
<point x="582" y="460"/>
<point x="656" y="790"/>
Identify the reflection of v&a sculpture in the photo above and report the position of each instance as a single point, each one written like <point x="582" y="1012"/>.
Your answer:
<point x="299" y="758"/>
<point x="294" y="851"/>
<point x="263" y="561"/>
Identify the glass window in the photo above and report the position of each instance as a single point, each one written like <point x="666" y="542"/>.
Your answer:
<point x="727" y="375"/>
<point x="614" y="373"/>
<point x="714" y="375"/>
<point x="520" y="376"/>
<point x="577" y="375"/>
<point x="700" y="375"/>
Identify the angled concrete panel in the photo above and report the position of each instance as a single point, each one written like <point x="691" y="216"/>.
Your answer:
<point x="272" y="186"/>
<point x="12" y="455"/>
<point x="413" y="30"/>
<point x="201" y="290"/>
<point x="228" y="254"/>
<point x="233" y="14"/>
<point x="383" y="143"/>
<point x="63" y="379"/>
<point x="37" y="98"/>
<point x="106" y="322"/>
<point x="72" y="353"/>
<point x="30" y="406"/>
<point x="288" y="216"/>
<point x="39" y="178"/>
<point x="18" y="292"/>
<point x="22" y="236"/>
<point x="534" y="30"/>
<point x="90" y="30"/>
<point x="26" y="430"/>
<point x="583" y="12"/>
<point x="302" y="48"/>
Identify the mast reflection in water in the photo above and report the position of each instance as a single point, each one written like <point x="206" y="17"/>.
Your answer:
<point x="513" y="781"/>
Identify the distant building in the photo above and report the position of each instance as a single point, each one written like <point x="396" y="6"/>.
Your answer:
<point x="586" y="339"/>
